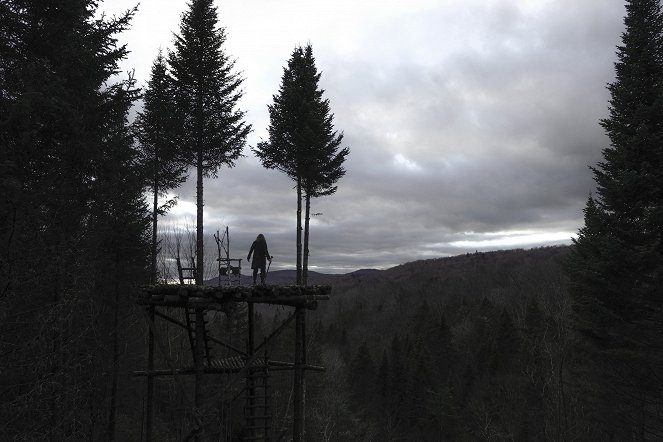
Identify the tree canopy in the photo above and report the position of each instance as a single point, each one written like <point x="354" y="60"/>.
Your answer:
<point x="302" y="140"/>
<point x="617" y="263"/>
<point x="72" y="217"/>
<point x="156" y="127"/>
<point x="207" y="92"/>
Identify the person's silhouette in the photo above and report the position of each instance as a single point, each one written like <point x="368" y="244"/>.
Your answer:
<point x="260" y="257"/>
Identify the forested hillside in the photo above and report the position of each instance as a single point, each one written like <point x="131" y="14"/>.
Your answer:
<point x="474" y="347"/>
<point x="556" y="344"/>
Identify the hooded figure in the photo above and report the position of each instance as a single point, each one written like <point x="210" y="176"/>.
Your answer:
<point x="260" y="257"/>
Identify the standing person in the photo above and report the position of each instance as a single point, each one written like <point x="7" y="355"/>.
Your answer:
<point x="260" y="257"/>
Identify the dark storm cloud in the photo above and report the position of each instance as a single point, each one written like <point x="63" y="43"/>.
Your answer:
<point x="491" y="136"/>
<point x="471" y="125"/>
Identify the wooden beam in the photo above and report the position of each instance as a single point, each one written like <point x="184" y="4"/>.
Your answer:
<point x="211" y="338"/>
<point x="150" y="380"/>
<point x="276" y="332"/>
<point x="298" y="387"/>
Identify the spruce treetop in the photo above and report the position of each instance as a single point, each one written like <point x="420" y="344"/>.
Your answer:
<point x="302" y="140"/>
<point x="207" y="90"/>
<point x="616" y="264"/>
<point x="155" y="127"/>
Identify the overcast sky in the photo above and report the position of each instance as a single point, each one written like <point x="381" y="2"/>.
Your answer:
<point x="470" y="123"/>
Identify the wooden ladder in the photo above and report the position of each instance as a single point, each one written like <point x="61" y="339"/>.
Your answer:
<point x="192" y="317"/>
<point x="257" y="408"/>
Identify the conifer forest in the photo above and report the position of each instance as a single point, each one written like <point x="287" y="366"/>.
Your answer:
<point x="555" y="343"/>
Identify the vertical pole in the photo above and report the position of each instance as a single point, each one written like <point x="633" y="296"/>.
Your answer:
<point x="304" y="362"/>
<point x="217" y="238"/>
<point x="200" y="263"/>
<point x="307" y="216"/>
<point x="299" y="231"/>
<point x="228" y="264"/>
<point x="266" y="412"/>
<point x="150" y="379"/>
<point x="250" y="379"/>
<point x="251" y="344"/>
<point x="198" y="361"/>
<point x="298" y="419"/>
<point x="155" y="218"/>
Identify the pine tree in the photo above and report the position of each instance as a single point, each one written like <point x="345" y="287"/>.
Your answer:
<point x="207" y="92"/>
<point x="302" y="142"/>
<point x="75" y="204"/>
<point x="117" y="235"/>
<point x="325" y="157"/>
<point x="616" y="267"/>
<point x="361" y="377"/>
<point x="156" y="132"/>
<point x="382" y="380"/>
<point x="398" y="377"/>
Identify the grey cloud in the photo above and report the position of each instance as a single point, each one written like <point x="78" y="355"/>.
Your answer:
<point x="459" y="120"/>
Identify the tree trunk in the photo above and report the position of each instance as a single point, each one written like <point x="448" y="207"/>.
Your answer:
<point x="299" y="230"/>
<point x="307" y="217"/>
<point x="59" y="332"/>
<point x="150" y="379"/>
<point x="299" y="387"/>
<point x="199" y="217"/>
<point x="116" y="354"/>
<point x="199" y="354"/>
<point x="155" y="209"/>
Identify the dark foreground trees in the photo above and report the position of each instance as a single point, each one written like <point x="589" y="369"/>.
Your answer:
<point x="206" y="93"/>
<point x="617" y="262"/>
<point x="157" y="133"/>
<point x="302" y="141"/>
<point x="72" y="219"/>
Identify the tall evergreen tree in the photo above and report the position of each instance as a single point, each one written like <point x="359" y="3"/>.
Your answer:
<point x="302" y="142"/>
<point x="361" y="379"/>
<point x="616" y="267"/>
<point x="324" y="157"/>
<point x="207" y="92"/>
<point x="398" y="377"/>
<point x="156" y="126"/>
<point x="68" y="157"/>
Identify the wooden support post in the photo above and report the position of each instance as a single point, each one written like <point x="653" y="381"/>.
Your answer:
<point x="150" y="379"/>
<point x="251" y="344"/>
<point x="171" y="365"/>
<point x="198" y="356"/>
<point x="299" y="381"/>
<point x="249" y="374"/>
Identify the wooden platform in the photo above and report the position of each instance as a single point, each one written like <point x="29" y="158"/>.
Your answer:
<point x="233" y="364"/>
<point x="220" y="297"/>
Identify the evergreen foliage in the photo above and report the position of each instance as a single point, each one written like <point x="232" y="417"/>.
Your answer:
<point x="469" y="349"/>
<point x="156" y="128"/>
<point x="361" y="378"/>
<point x="617" y="263"/>
<point x="207" y="92"/>
<point x="302" y="141"/>
<point x="72" y="219"/>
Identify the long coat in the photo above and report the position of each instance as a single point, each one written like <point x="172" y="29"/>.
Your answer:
<point x="260" y="254"/>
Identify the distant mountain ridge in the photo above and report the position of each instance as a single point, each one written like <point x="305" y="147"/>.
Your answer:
<point x="283" y="277"/>
<point x="419" y="269"/>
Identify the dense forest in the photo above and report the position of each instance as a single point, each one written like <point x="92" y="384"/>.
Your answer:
<point x="475" y="347"/>
<point x="561" y="343"/>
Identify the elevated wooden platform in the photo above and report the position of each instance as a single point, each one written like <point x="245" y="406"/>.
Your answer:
<point x="250" y="366"/>
<point x="220" y="297"/>
<point x="233" y="364"/>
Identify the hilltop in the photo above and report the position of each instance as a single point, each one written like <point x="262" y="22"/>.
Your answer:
<point x="447" y="349"/>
